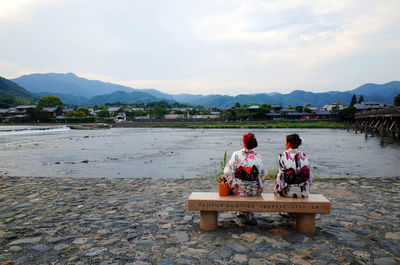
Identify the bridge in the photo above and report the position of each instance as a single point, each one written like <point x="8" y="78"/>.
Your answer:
<point x="384" y="122"/>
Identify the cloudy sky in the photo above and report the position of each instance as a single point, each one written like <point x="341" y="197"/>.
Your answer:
<point x="205" y="46"/>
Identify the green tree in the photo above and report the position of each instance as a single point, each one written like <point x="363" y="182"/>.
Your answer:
<point x="113" y="104"/>
<point x="158" y="104"/>
<point x="49" y="101"/>
<point x="35" y="114"/>
<point x="194" y="111"/>
<point x="259" y="114"/>
<point x="157" y="112"/>
<point x="361" y="99"/>
<point x="138" y="105"/>
<point x="84" y="110"/>
<point x="8" y="101"/>
<point x="242" y="113"/>
<point x="178" y="105"/>
<point x="299" y="108"/>
<point x="4" y="105"/>
<point x="130" y="115"/>
<point x="237" y="105"/>
<point x="308" y="110"/>
<point x="265" y="108"/>
<point x="139" y="113"/>
<point x="75" y="113"/>
<point x="397" y="100"/>
<point x="347" y="113"/>
<point x="228" y="114"/>
<point x="104" y="113"/>
<point x="353" y="100"/>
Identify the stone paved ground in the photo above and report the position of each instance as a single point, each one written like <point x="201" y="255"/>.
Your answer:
<point x="146" y="221"/>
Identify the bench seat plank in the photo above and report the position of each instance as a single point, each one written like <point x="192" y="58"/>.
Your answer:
<point x="269" y="202"/>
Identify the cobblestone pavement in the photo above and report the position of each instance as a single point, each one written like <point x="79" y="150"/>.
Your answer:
<point x="146" y="221"/>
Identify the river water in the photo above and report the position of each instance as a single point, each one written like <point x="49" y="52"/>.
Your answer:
<point x="172" y="153"/>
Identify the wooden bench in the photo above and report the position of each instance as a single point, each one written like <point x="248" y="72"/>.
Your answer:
<point x="209" y="203"/>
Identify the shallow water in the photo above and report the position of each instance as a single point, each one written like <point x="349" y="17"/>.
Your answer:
<point x="172" y="153"/>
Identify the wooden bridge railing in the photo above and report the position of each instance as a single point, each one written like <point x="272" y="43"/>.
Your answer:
<point x="386" y="122"/>
<point x="384" y="113"/>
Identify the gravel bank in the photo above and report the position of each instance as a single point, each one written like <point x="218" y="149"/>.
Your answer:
<point x="146" y="221"/>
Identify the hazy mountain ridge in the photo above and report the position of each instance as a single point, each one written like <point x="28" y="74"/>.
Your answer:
<point x="390" y="89"/>
<point x="67" y="84"/>
<point x="80" y="91"/>
<point x="66" y="98"/>
<point x="123" y="97"/>
<point x="294" y="98"/>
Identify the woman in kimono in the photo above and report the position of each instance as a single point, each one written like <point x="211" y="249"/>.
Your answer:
<point x="245" y="173"/>
<point x="293" y="179"/>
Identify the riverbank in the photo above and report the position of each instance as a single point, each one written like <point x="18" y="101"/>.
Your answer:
<point x="298" y="124"/>
<point x="239" y="124"/>
<point x="146" y="221"/>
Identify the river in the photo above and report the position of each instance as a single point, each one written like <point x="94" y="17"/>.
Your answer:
<point x="54" y="151"/>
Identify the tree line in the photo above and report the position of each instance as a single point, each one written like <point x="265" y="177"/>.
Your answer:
<point x="158" y="109"/>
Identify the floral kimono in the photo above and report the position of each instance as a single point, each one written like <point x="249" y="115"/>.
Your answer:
<point x="293" y="179"/>
<point x="250" y="163"/>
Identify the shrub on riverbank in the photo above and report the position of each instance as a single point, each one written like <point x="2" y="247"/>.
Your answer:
<point x="241" y="125"/>
<point x="75" y="120"/>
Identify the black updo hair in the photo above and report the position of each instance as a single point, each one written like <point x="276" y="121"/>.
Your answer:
<point x="252" y="142"/>
<point x="294" y="140"/>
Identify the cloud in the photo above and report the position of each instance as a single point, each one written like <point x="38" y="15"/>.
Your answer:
<point x="13" y="70"/>
<point x="209" y="46"/>
<point x="10" y="8"/>
<point x="174" y="86"/>
<point x="15" y="9"/>
<point x="306" y="31"/>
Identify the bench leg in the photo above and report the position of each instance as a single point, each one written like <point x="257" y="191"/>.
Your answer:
<point x="208" y="220"/>
<point x="305" y="223"/>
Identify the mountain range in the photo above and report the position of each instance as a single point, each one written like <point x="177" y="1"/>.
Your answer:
<point x="75" y="90"/>
<point x="8" y="87"/>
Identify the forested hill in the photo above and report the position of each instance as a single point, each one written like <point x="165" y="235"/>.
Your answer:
<point x="8" y="87"/>
<point x="388" y="90"/>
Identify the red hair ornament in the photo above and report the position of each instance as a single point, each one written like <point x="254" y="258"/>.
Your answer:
<point x="247" y="137"/>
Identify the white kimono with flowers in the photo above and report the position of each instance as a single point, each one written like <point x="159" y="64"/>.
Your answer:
<point x="245" y="158"/>
<point x="286" y="163"/>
